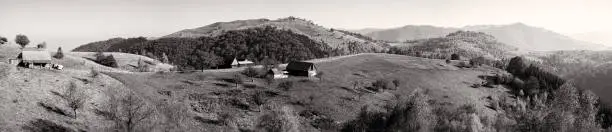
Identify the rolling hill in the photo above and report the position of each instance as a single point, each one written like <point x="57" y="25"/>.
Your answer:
<point x="519" y="35"/>
<point x="467" y="44"/>
<point x="334" y="38"/>
<point x="207" y="97"/>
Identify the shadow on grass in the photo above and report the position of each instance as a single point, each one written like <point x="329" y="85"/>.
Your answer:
<point x="207" y="121"/>
<point x="106" y="114"/>
<point x="84" y="80"/>
<point x="41" y="125"/>
<point x="54" y="109"/>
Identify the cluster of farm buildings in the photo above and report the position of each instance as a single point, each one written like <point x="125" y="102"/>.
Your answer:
<point x="294" y="68"/>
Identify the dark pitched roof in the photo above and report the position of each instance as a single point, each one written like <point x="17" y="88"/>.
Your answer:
<point x="299" y="66"/>
<point x="275" y="71"/>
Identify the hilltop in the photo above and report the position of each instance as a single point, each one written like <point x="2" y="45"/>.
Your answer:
<point x="331" y="37"/>
<point x="467" y="44"/>
<point x="522" y="36"/>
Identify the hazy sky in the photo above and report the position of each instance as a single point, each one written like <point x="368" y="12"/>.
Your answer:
<point x="69" y="23"/>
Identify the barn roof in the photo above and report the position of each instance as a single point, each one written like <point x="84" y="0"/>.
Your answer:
<point x="241" y="62"/>
<point x="299" y="66"/>
<point x="35" y="56"/>
<point x="275" y="71"/>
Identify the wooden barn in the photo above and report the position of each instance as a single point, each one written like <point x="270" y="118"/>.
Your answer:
<point x="31" y="57"/>
<point x="241" y="62"/>
<point x="298" y="68"/>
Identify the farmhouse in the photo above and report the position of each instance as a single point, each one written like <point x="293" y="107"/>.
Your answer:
<point x="31" y="57"/>
<point x="241" y="62"/>
<point x="276" y="74"/>
<point x="298" y="68"/>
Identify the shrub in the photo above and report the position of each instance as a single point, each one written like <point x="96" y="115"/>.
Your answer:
<point x="42" y="45"/>
<point x="448" y="61"/>
<point x="286" y="85"/>
<point x="94" y="73"/>
<point x="260" y="98"/>
<point x="478" y="61"/>
<point x="325" y="123"/>
<point x="382" y="84"/>
<point x="413" y="115"/>
<point x="106" y="60"/>
<point x="272" y="122"/>
<point x="455" y="56"/>
<point x="237" y="79"/>
<point x="3" y="40"/>
<point x="250" y="72"/>
<point x="396" y="83"/>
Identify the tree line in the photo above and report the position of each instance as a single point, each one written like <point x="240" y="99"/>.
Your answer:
<point x="255" y="44"/>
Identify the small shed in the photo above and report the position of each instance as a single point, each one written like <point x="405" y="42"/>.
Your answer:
<point x="276" y="74"/>
<point x="299" y="68"/>
<point x="241" y="62"/>
<point x="34" y="57"/>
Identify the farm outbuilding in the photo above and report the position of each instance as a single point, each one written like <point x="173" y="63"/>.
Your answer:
<point x="31" y="57"/>
<point x="298" y="68"/>
<point x="276" y="74"/>
<point x="241" y="62"/>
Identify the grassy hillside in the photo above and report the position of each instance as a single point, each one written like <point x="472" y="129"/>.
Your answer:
<point x="128" y="62"/>
<point x="334" y="96"/>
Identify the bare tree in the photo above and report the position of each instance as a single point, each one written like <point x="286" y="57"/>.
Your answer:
<point x="75" y="97"/>
<point x="126" y="111"/>
<point x="237" y="79"/>
<point x="133" y="112"/>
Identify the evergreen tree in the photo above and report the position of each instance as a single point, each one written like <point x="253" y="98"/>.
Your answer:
<point x="59" y="54"/>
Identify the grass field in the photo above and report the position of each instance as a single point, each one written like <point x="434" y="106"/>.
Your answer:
<point x="332" y="96"/>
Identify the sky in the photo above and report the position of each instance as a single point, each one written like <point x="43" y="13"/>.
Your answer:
<point x="69" y="23"/>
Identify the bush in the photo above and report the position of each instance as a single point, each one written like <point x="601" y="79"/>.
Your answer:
<point x="455" y="57"/>
<point x="106" y="60"/>
<point x="250" y="72"/>
<point x="94" y="73"/>
<point x="478" y="61"/>
<point x="448" y="61"/>
<point x="237" y="79"/>
<point x="382" y="84"/>
<point x="413" y="115"/>
<point x="325" y="124"/>
<point x="286" y="85"/>
<point x="260" y="98"/>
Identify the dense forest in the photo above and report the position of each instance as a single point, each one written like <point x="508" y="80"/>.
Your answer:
<point x="255" y="44"/>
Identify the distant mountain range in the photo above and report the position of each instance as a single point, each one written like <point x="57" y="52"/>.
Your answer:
<point x="600" y="37"/>
<point x="519" y="35"/>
